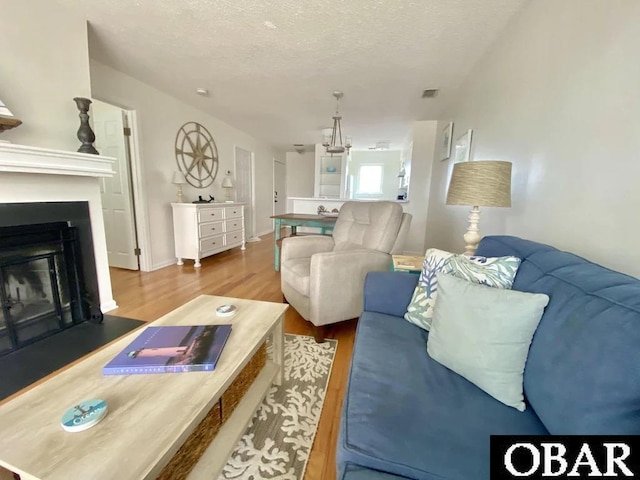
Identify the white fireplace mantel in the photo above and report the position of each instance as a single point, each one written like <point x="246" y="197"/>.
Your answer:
<point x="25" y="159"/>
<point x="32" y="174"/>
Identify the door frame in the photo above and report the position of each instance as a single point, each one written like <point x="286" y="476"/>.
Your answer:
<point x="273" y="166"/>
<point x="138" y="189"/>
<point x="139" y="192"/>
<point x="253" y="187"/>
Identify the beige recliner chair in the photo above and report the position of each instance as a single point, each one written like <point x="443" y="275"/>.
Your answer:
<point x="322" y="276"/>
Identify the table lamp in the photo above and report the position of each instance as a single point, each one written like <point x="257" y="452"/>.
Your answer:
<point x="227" y="184"/>
<point x="484" y="183"/>
<point x="179" y="180"/>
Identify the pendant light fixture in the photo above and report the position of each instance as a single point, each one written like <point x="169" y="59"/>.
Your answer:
<point x="333" y="143"/>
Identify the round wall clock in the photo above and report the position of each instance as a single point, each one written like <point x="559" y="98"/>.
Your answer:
<point x="196" y="154"/>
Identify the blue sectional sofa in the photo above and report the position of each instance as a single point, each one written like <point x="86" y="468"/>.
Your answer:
<point x="407" y="416"/>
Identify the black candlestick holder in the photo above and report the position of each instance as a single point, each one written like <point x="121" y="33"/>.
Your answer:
<point x="85" y="134"/>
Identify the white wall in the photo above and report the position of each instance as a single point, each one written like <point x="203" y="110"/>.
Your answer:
<point x="300" y="174"/>
<point x="558" y="96"/>
<point x="421" y="149"/>
<point x="159" y="116"/>
<point x="44" y="63"/>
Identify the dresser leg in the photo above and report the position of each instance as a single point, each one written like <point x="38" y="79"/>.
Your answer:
<point x="243" y="244"/>
<point x="180" y="262"/>
<point x="197" y="264"/>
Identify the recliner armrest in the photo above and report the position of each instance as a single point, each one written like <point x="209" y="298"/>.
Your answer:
<point x="389" y="292"/>
<point x="336" y="282"/>
<point x="300" y="247"/>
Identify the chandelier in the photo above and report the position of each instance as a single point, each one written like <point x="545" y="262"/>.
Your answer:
<point x="333" y="143"/>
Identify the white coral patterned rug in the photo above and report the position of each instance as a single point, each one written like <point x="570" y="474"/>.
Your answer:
<point x="278" y="440"/>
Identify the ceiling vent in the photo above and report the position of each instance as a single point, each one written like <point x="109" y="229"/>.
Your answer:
<point x="298" y="147"/>
<point x="430" y="93"/>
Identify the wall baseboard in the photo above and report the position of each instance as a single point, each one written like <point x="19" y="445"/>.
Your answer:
<point x="166" y="263"/>
<point x="266" y="232"/>
<point x="108" y="306"/>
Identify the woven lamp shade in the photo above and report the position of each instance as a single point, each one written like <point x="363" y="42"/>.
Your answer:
<point x="484" y="183"/>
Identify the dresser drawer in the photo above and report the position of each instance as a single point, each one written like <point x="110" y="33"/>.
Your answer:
<point x="232" y="225"/>
<point x="210" y="228"/>
<point x="233" y="238"/>
<point x="232" y="212"/>
<point x="210" y="214"/>
<point x="211" y="243"/>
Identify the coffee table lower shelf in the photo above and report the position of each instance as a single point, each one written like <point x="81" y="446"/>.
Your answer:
<point x="215" y="457"/>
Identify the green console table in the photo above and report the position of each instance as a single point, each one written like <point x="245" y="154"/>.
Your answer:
<point x="295" y="220"/>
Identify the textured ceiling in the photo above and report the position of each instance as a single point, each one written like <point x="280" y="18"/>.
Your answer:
<point x="271" y="65"/>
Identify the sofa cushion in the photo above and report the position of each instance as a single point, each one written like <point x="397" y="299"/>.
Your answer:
<point x="582" y="374"/>
<point x="400" y="404"/>
<point x="484" y="333"/>
<point x="296" y="272"/>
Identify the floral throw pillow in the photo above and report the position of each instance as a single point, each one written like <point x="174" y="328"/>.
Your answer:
<point x="420" y="309"/>
<point x="498" y="272"/>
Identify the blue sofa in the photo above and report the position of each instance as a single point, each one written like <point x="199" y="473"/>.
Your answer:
<point x="407" y="416"/>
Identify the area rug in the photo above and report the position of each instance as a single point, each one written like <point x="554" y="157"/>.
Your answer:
<point x="277" y="443"/>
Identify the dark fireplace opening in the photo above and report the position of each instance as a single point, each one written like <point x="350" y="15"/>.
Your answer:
<point x="48" y="280"/>
<point x="41" y="289"/>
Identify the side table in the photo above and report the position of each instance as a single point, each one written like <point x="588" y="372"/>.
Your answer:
<point x="407" y="263"/>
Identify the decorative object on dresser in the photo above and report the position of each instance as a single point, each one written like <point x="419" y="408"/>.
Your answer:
<point x="485" y="183"/>
<point x="227" y="184"/>
<point x="200" y="230"/>
<point x="202" y="200"/>
<point x="196" y="154"/>
<point x="7" y="120"/>
<point x="85" y="134"/>
<point x="463" y="147"/>
<point x="179" y="180"/>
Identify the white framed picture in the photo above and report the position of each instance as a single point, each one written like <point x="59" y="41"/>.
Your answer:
<point x="445" y="142"/>
<point x="463" y="147"/>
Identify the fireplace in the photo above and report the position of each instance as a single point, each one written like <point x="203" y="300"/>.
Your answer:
<point x="48" y="281"/>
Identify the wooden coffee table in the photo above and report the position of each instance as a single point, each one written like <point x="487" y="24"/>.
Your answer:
<point x="150" y="416"/>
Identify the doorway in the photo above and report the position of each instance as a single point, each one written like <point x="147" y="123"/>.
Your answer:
<point x="244" y="190"/>
<point x="279" y="188"/>
<point x="113" y="133"/>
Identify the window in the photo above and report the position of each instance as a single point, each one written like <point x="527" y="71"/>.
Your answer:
<point x="370" y="179"/>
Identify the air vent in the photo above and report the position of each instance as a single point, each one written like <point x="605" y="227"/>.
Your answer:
<point x="430" y="93"/>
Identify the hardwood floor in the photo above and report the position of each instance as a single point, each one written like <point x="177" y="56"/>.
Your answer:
<point x="242" y="274"/>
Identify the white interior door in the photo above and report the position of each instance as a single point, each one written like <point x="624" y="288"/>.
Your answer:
<point x="117" y="200"/>
<point x="244" y="188"/>
<point x="279" y="188"/>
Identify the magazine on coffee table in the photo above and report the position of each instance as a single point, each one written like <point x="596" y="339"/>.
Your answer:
<point x="171" y="349"/>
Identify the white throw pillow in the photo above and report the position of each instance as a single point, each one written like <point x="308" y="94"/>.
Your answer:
<point x="484" y="334"/>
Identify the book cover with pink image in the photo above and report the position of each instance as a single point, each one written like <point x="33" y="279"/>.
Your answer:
<point x="171" y="349"/>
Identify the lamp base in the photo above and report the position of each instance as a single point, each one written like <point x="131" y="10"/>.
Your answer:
<point x="472" y="237"/>
<point x="179" y="194"/>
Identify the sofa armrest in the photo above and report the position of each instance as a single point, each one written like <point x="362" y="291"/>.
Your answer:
<point x="389" y="292"/>
<point x="301" y="247"/>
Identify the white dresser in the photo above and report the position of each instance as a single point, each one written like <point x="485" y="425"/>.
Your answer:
<point x="203" y="229"/>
